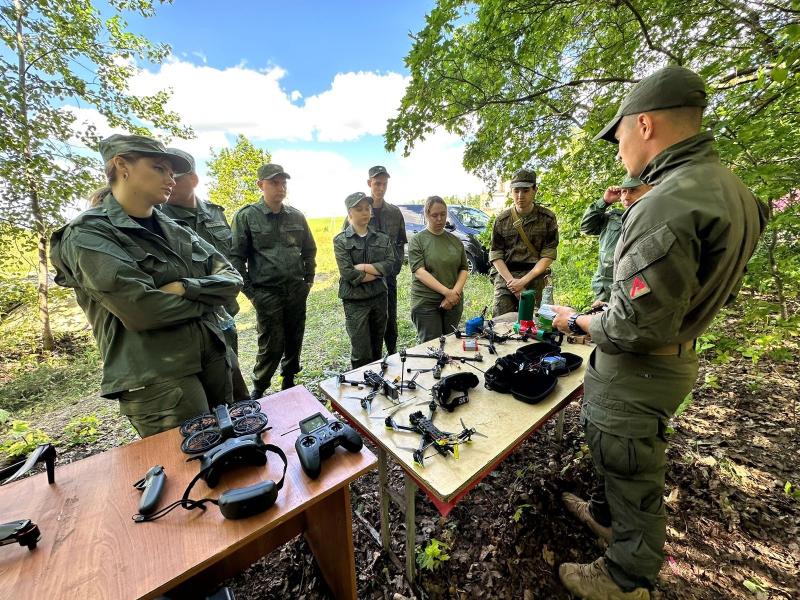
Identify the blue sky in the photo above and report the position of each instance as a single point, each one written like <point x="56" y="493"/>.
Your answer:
<point x="313" y="82"/>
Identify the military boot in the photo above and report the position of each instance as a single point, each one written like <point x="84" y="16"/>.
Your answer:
<point x="592" y="582"/>
<point x="580" y="508"/>
<point x="288" y="382"/>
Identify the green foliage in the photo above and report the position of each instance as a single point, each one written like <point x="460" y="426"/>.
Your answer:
<point x="233" y="173"/>
<point x="755" y="586"/>
<point x="529" y="83"/>
<point x="82" y="430"/>
<point x="22" y="439"/>
<point x="686" y="403"/>
<point x="517" y="516"/>
<point x="433" y="555"/>
<point x="791" y="490"/>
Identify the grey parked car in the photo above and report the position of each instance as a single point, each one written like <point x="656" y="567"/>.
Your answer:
<point x="465" y="222"/>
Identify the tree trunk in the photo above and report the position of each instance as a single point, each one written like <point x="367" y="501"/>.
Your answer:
<point x="39" y="224"/>
<point x="777" y="276"/>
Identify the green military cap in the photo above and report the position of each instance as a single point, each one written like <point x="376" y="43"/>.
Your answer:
<point x="122" y="144"/>
<point x="523" y="178"/>
<point x="670" y="87"/>
<point x="189" y="158"/>
<point x="631" y="182"/>
<point x="378" y="170"/>
<point x="353" y="199"/>
<point x="270" y="170"/>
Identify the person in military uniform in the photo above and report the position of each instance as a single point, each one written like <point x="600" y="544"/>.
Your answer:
<point x="524" y="245"/>
<point x="364" y="257"/>
<point x="598" y="220"/>
<point x="274" y="250"/>
<point x="681" y="257"/>
<point x="150" y="289"/>
<point x="208" y="221"/>
<point x="388" y="219"/>
<point x="439" y="270"/>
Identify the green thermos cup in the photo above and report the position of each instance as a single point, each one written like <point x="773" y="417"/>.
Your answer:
<point x="526" y="301"/>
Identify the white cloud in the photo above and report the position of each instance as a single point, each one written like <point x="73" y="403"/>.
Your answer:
<point x="220" y="103"/>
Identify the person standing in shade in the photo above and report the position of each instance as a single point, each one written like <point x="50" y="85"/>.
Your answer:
<point x="275" y="252"/>
<point x="364" y="257"/>
<point x="150" y="289"/>
<point x="598" y="220"/>
<point x="439" y="270"/>
<point x="208" y="221"/>
<point x="524" y="245"/>
<point x="681" y="257"/>
<point x="388" y="219"/>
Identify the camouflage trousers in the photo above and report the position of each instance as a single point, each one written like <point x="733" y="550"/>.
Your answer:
<point x="280" y="323"/>
<point x="625" y="393"/>
<point x="240" y="391"/>
<point x="504" y="299"/>
<point x="365" y="321"/>
<point x="164" y="405"/>
<point x="391" y="315"/>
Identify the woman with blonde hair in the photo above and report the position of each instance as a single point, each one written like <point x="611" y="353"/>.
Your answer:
<point x="153" y="291"/>
<point x="438" y="265"/>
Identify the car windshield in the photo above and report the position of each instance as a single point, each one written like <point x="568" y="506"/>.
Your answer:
<point x="471" y="217"/>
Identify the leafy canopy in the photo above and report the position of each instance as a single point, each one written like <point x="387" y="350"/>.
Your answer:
<point x="59" y="54"/>
<point x="233" y="173"/>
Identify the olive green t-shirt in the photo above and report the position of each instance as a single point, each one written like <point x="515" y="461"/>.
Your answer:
<point x="442" y="255"/>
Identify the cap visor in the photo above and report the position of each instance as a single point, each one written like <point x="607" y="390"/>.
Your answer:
<point x="281" y="173"/>
<point x="180" y="165"/>
<point x="608" y="131"/>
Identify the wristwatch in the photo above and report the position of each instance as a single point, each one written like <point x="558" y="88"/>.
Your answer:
<point x="572" y="325"/>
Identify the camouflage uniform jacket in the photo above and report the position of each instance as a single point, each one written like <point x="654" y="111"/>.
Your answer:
<point x="682" y="253"/>
<point x="207" y="220"/>
<point x="145" y="336"/>
<point x="351" y="249"/>
<point x="599" y="220"/>
<point x="542" y="230"/>
<point x="392" y="223"/>
<point x="272" y="250"/>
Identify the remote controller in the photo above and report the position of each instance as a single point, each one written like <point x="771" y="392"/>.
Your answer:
<point x="151" y="486"/>
<point x="319" y="438"/>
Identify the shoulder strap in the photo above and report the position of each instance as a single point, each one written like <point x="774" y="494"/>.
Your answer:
<point x="517" y="223"/>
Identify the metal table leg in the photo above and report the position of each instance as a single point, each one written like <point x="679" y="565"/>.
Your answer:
<point x="383" y="482"/>
<point x="411" y="529"/>
<point x="560" y="426"/>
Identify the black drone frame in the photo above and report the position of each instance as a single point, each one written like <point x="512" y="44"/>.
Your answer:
<point x="441" y="357"/>
<point x="444" y="442"/>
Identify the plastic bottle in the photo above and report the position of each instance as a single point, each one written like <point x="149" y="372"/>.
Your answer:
<point x="526" y="301"/>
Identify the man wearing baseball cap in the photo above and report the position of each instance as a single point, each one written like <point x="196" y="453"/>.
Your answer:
<point x="598" y="220"/>
<point x="681" y="257"/>
<point x="524" y="245"/>
<point x="275" y="252"/>
<point x="208" y="221"/>
<point x="388" y="219"/>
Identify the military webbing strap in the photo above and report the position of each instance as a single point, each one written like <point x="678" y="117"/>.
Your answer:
<point x="517" y="223"/>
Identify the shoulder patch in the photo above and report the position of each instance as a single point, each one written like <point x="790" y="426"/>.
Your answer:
<point x="638" y="287"/>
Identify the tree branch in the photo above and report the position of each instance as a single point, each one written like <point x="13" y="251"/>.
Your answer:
<point x="646" y="34"/>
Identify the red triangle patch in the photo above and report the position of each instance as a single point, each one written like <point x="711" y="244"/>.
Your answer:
<point x="639" y="287"/>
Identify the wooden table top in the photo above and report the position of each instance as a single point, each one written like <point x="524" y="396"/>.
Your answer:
<point x="90" y="547"/>
<point x="505" y="420"/>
